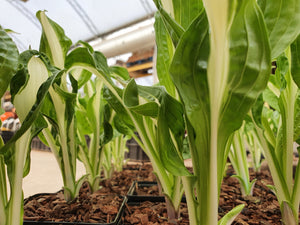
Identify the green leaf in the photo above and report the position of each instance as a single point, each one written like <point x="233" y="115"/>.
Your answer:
<point x="101" y="63"/>
<point x="175" y="108"/>
<point x="165" y="51"/>
<point x="69" y="100"/>
<point x="79" y="183"/>
<point x="8" y="60"/>
<point x="119" y="109"/>
<point x="35" y="74"/>
<point x="83" y="122"/>
<point x="281" y="71"/>
<point x="86" y="45"/>
<point x="147" y="109"/>
<point x="121" y="126"/>
<point x="256" y="110"/>
<point x="107" y="135"/>
<point x="282" y="19"/>
<point x="82" y="76"/>
<point x="54" y="43"/>
<point x="170" y="156"/>
<point x="231" y="215"/>
<point x="186" y="11"/>
<point x="152" y="93"/>
<point x="246" y="82"/>
<point x="118" y="71"/>
<point x="189" y="73"/>
<point x="271" y="99"/>
<point x="295" y="64"/>
<point x="37" y="90"/>
<point x="272" y="188"/>
<point x="297" y="118"/>
<point x="188" y="68"/>
<point x="81" y="55"/>
<point x="130" y="96"/>
<point x="174" y="29"/>
<point x="174" y="113"/>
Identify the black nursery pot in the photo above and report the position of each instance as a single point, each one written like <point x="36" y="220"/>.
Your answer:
<point x="132" y="193"/>
<point x="117" y="220"/>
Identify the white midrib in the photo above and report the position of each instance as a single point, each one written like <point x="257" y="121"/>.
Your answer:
<point x="217" y="74"/>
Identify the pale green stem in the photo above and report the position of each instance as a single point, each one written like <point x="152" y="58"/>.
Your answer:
<point x="288" y="216"/>
<point x="290" y="107"/>
<point x="238" y="159"/>
<point x="191" y="202"/>
<point x="177" y="194"/>
<point x="296" y="193"/>
<point x="255" y="152"/>
<point x="95" y="144"/>
<point x="290" y="96"/>
<point x="281" y="193"/>
<point x="119" y="149"/>
<point x="68" y="168"/>
<point x="93" y="153"/>
<point x="154" y="158"/>
<point x="85" y="160"/>
<point x="212" y="204"/>
<point x="15" y="215"/>
<point x="3" y="191"/>
<point x="242" y="158"/>
<point x="72" y="146"/>
<point x="217" y="13"/>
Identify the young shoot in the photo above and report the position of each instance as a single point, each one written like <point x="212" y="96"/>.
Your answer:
<point x="238" y="159"/>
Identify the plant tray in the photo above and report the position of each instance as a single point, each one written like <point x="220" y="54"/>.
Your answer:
<point x="116" y="221"/>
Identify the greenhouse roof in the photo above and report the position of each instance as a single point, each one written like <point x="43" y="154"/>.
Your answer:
<point x="81" y="19"/>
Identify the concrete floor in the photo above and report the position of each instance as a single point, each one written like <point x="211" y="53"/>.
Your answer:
<point x="44" y="175"/>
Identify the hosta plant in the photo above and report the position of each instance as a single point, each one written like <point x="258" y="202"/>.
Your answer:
<point x="59" y="108"/>
<point x="220" y="66"/>
<point x="238" y="159"/>
<point x="138" y="109"/>
<point x="93" y="125"/>
<point x="29" y="88"/>
<point x="277" y="137"/>
<point x="278" y="130"/>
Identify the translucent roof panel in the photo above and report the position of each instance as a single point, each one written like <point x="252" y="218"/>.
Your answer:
<point x="81" y="19"/>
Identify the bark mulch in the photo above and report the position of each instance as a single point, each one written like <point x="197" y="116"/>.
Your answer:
<point x="101" y="207"/>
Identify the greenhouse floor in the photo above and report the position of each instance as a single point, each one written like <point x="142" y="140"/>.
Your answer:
<point x="44" y="175"/>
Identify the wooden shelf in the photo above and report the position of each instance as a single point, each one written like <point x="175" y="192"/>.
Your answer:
<point x="139" y="64"/>
<point x="147" y="65"/>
